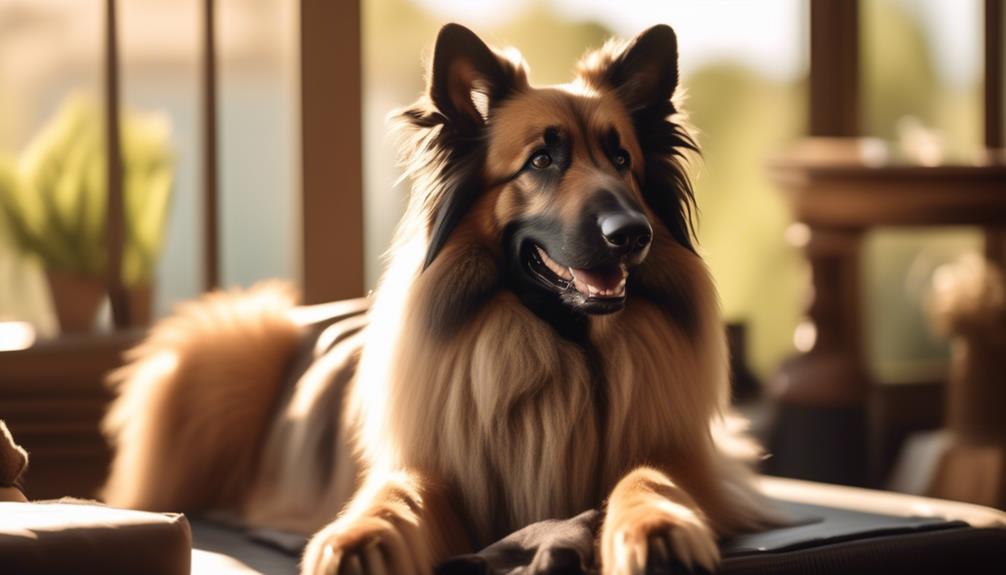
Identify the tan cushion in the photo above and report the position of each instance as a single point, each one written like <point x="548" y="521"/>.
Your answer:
<point x="881" y="502"/>
<point x="73" y="536"/>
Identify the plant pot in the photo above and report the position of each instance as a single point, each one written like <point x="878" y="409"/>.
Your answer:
<point x="76" y="299"/>
<point x="140" y="299"/>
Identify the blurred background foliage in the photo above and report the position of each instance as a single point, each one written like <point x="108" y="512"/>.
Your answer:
<point x="54" y="205"/>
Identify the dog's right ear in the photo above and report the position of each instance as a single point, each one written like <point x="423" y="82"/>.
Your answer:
<point x="468" y="78"/>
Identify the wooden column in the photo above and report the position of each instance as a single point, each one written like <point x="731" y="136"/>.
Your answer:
<point x="834" y="68"/>
<point x="211" y="192"/>
<point x="995" y="20"/>
<point x="995" y="102"/>
<point x="822" y="391"/>
<point x="115" y="224"/>
<point x="331" y="150"/>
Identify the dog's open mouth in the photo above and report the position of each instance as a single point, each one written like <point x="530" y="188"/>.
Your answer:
<point x="596" y="290"/>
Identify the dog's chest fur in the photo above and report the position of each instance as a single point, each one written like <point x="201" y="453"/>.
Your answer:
<point x="524" y="424"/>
<point x="527" y="425"/>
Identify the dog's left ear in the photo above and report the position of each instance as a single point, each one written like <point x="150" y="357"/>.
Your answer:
<point x="643" y="73"/>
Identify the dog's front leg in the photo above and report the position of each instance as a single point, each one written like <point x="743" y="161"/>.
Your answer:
<point x="398" y="522"/>
<point x="651" y="521"/>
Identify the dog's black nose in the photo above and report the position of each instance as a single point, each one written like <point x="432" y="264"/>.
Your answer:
<point x="625" y="231"/>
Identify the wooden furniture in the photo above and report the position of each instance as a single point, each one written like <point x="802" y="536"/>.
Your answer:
<point x="838" y="193"/>
<point x="838" y="200"/>
<point x="53" y="397"/>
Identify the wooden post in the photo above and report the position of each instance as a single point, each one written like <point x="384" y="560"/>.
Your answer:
<point x="994" y="74"/>
<point x="331" y="149"/>
<point x="834" y="68"/>
<point x="211" y="194"/>
<point x="821" y="428"/>
<point x="821" y="431"/>
<point x="115" y="225"/>
<point x="995" y="237"/>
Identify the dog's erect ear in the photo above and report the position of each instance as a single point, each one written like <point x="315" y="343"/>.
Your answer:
<point x="467" y="74"/>
<point x="467" y="80"/>
<point x="644" y="72"/>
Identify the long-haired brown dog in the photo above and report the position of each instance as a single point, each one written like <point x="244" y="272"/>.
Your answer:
<point x="545" y="339"/>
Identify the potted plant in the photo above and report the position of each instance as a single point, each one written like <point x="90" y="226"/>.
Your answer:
<point x="57" y="208"/>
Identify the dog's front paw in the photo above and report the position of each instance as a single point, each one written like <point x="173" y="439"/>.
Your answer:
<point x="371" y="545"/>
<point x="658" y="537"/>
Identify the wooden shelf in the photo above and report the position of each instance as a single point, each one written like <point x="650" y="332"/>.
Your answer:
<point x="856" y="195"/>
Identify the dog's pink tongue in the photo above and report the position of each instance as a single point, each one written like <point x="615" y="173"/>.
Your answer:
<point x="606" y="281"/>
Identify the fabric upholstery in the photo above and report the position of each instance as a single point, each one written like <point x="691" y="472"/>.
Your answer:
<point x="82" y="537"/>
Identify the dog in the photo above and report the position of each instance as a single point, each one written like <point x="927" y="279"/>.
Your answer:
<point x="550" y="339"/>
<point x="545" y="339"/>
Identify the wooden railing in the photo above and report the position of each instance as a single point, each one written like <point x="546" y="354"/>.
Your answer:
<point x="331" y="241"/>
<point x="115" y="227"/>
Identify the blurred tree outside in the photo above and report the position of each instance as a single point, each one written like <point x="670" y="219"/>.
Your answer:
<point x="743" y="120"/>
<point x="901" y="79"/>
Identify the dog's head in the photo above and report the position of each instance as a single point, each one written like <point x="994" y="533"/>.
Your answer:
<point x="572" y="184"/>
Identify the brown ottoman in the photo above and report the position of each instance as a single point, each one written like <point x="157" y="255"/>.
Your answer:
<point x="83" y="537"/>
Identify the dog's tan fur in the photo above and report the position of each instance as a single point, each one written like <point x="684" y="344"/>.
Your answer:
<point x="194" y="401"/>
<point x="470" y="428"/>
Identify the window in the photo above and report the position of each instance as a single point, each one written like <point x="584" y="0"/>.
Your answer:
<point x="922" y="94"/>
<point x="52" y="51"/>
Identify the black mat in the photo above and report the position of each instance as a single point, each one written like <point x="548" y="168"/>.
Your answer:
<point x="823" y="540"/>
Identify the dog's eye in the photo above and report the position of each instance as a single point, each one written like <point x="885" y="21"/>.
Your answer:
<point x="541" y="160"/>
<point x="622" y="159"/>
